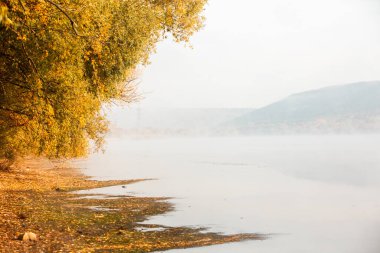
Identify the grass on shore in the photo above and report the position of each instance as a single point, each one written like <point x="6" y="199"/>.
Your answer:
<point x="38" y="198"/>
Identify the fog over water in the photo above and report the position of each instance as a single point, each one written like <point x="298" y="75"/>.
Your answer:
<point x="312" y="193"/>
<point x="317" y="191"/>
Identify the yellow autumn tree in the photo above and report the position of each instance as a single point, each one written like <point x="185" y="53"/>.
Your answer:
<point x="62" y="60"/>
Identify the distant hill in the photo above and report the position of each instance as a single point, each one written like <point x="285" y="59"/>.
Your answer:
<point x="169" y="121"/>
<point x="352" y="107"/>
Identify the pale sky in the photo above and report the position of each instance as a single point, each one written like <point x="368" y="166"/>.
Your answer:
<point x="254" y="52"/>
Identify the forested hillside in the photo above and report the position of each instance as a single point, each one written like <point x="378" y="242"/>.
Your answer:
<point x="351" y="107"/>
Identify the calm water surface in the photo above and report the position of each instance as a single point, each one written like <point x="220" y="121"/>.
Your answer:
<point x="313" y="193"/>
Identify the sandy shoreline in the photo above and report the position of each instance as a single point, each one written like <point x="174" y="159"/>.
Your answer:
<point x="38" y="196"/>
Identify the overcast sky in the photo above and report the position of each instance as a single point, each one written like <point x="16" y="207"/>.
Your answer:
<point x="254" y="52"/>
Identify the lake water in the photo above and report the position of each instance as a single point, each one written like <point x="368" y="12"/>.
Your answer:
<point x="312" y="193"/>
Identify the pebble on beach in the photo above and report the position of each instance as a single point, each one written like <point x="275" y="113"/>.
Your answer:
<point x="28" y="236"/>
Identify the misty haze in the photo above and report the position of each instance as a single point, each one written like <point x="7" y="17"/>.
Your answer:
<point x="303" y="171"/>
<point x="279" y="136"/>
<point x="190" y="126"/>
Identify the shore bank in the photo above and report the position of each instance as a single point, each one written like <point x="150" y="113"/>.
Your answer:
<point x="39" y="197"/>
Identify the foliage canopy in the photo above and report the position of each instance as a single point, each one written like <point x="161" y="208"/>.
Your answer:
<point x="62" y="60"/>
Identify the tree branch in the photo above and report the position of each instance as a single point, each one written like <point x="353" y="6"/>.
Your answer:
<point x="72" y="22"/>
<point x="3" y="108"/>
